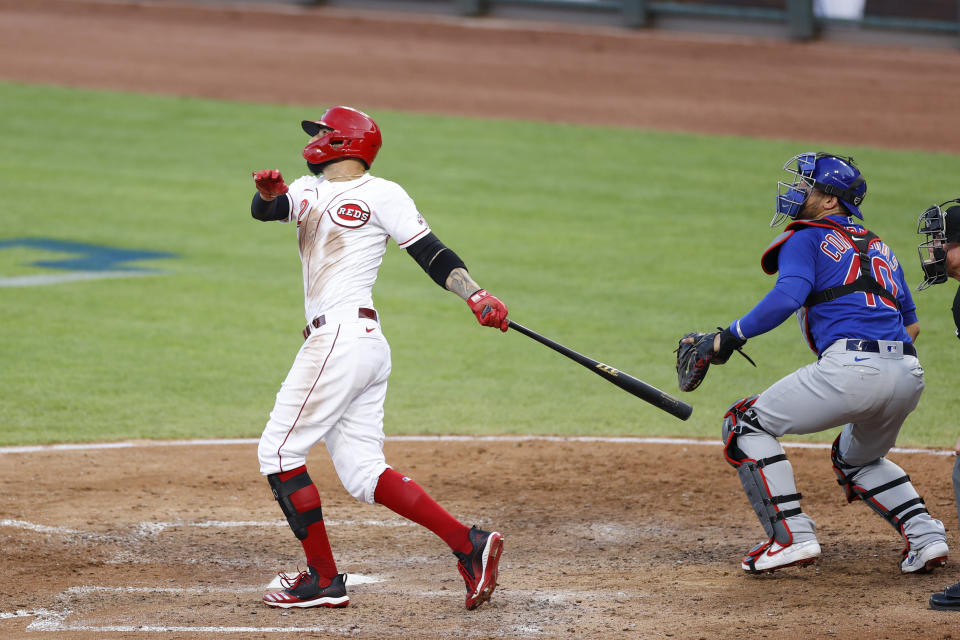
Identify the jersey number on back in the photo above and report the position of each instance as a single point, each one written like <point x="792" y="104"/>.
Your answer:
<point x="882" y="273"/>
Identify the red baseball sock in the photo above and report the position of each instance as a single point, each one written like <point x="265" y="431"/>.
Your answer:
<point x="315" y="545"/>
<point x="402" y="495"/>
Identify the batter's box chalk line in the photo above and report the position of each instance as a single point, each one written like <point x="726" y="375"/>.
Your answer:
<point x="50" y="620"/>
<point x="352" y="579"/>
<point x="72" y="598"/>
<point x="55" y="620"/>
<point x="148" y="529"/>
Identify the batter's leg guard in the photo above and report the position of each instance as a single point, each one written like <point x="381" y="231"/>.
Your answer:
<point x="764" y="471"/>
<point x="283" y="490"/>
<point x="884" y="487"/>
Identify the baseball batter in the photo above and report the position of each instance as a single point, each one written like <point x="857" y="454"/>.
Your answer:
<point x="939" y="260"/>
<point x="856" y="313"/>
<point x="335" y="390"/>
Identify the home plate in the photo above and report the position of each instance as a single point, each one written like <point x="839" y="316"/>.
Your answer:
<point x="352" y="579"/>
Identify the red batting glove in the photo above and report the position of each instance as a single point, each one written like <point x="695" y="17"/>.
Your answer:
<point x="489" y="310"/>
<point x="269" y="183"/>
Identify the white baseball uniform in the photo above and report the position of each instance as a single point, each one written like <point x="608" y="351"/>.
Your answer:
<point x="336" y="388"/>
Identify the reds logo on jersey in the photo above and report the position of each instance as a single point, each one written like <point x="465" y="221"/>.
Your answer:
<point x="350" y="213"/>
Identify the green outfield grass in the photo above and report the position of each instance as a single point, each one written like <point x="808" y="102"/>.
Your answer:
<point x="612" y="241"/>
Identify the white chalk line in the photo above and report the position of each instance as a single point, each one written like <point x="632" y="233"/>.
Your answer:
<point x="352" y="579"/>
<point x="146" y="529"/>
<point x="54" y="620"/>
<point x="56" y="626"/>
<point x="40" y="528"/>
<point x="23" y="613"/>
<point x="88" y="446"/>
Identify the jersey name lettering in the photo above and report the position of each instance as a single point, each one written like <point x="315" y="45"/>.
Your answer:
<point x="887" y="254"/>
<point x="835" y="246"/>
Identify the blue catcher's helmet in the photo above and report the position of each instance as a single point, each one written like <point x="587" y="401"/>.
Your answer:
<point x="834" y="175"/>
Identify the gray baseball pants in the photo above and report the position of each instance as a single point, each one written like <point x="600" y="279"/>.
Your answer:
<point x="870" y="394"/>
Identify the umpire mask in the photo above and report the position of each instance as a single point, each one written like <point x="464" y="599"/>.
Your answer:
<point x="933" y="225"/>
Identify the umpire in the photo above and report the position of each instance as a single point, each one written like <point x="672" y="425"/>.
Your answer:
<point x="940" y="259"/>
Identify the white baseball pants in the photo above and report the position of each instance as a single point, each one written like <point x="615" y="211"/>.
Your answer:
<point x="334" y="393"/>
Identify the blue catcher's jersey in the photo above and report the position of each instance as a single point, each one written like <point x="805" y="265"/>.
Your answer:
<point x="825" y="258"/>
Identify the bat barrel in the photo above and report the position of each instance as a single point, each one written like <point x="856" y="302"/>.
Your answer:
<point x="625" y="381"/>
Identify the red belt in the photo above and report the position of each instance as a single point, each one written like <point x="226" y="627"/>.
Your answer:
<point x="319" y="321"/>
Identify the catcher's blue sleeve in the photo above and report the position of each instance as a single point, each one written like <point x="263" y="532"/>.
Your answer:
<point x="795" y="282"/>
<point x="908" y="308"/>
<point x="776" y="306"/>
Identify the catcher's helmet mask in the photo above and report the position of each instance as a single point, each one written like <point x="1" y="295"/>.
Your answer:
<point x="832" y="174"/>
<point x="349" y="134"/>
<point x="934" y="223"/>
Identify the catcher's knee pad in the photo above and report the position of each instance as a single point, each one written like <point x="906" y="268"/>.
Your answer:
<point x="740" y="418"/>
<point x="882" y="485"/>
<point x="300" y="512"/>
<point x="762" y="468"/>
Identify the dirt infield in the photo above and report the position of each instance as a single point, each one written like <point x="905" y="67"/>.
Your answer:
<point x="603" y="539"/>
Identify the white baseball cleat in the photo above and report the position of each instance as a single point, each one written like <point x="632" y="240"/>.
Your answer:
<point x="771" y="555"/>
<point x="925" y="559"/>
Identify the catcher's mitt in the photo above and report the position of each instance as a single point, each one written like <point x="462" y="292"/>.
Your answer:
<point x="695" y="354"/>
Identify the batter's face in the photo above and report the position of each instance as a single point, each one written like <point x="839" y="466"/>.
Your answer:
<point x="324" y="131"/>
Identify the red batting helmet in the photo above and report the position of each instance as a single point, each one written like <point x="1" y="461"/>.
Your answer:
<point x="353" y="134"/>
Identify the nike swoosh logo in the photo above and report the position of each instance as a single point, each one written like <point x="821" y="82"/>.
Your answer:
<point x="369" y="330"/>
<point x="856" y="359"/>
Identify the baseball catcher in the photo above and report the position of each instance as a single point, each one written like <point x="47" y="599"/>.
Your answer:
<point x="697" y="351"/>
<point x="847" y="288"/>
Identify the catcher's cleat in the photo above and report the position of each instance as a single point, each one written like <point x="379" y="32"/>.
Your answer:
<point x="770" y="556"/>
<point x="947" y="600"/>
<point x="925" y="559"/>
<point x="304" y="591"/>
<point x="479" y="567"/>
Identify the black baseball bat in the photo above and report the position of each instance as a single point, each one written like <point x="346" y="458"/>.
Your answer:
<point x="625" y="381"/>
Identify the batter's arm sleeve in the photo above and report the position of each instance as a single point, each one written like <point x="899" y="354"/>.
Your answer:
<point x="435" y="258"/>
<point x="276" y="209"/>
